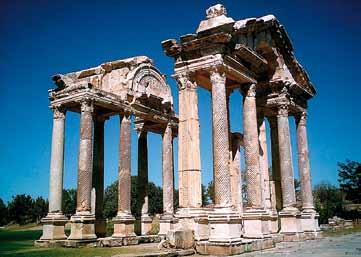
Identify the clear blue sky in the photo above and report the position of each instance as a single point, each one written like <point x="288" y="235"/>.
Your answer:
<point x="41" y="38"/>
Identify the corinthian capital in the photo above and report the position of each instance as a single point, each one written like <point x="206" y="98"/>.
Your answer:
<point x="59" y="112"/>
<point x="217" y="77"/>
<point x="184" y="81"/>
<point x="250" y="91"/>
<point x="87" y="106"/>
<point x="282" y="110"/>
<point x="301" y="118"/>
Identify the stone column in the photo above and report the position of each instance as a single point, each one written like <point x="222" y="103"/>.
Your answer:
<point x="167" y="165"/>
<point x="251" y="149"/>
<point x="254" y="227"/>
<point x="221" y="174"/>
<point x="284" y="140"/>
<point x="309" y="217"/>
<point x="82" y="223"/>
<point x="224" y="221"/>
<point x="189" y="161"/>
<point x="124" y="221"/>
<point x="142" y="182"/>
<point x="53" y="223"/>
<point x="276" y="169"/>
<point x="168" y="181"/>
<point x="266" y="196"/>
<point x="98" y="176"/>
<point x="290" y="226"/>
<point x="236" y="183"/>
<point x="304" y="163"/>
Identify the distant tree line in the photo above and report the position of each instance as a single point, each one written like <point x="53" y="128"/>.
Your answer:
<point x="329" y="200"/>
<point x="23" y="209"/>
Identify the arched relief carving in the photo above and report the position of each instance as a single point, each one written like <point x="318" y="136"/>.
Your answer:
<point x="148" y="81"/>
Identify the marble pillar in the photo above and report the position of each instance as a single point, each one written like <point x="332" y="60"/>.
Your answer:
<point x="124" y="221"/>
<point x="142" y="183"/>
<point x="271" y="219"/>
<point x="266" y="194"/>
<point x="254" y="213"/>
<point x="289" y="223"/>
<point x="221" y="174"/>
<point x="224" y="222"/>
<point x="251" y="149"/>
<point x="82" y="223"/>
<point x="98" y="176"/>
<point x="189" y="160"/>
<point x="53" y="223"/>
<point x="166" y="219"/>
<point x="309" y="217"/>
<point x="276" y="169"/>
<point x="236" y="182"/>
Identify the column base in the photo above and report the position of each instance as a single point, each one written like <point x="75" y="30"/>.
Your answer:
<point x="166" y="223"/>
<point x="146" y="225"/>
<point x="123" y="226"/>
<point x="274" y="224"/>
<point x="309" y="221"/>
<point x="291" y="224"/>
<point x="225" y="226"/>
<point x="101" y="227"/>
<point x="195" y="219"/>
<point x="53" y="226"/>
<point x="82" y="226"/>
<point x="256" y="224"/>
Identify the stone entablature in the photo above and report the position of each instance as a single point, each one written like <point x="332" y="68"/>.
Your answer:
<point x="126" y="88"/>
<point x="253" y="57"/>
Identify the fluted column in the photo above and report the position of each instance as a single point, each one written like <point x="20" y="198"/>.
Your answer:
<point x="85" y="162"/>
<point x="304" y="163"/>
<point x="98" y="175"/>
<point x="167" y="165"/>
<point x="222" y="182"/>
<point x="251" y="149"/>
<point x="276" y="169"/>
<point x="287" y="178"/>
<point x="124" y="168"/>
<point x="57" y="162"/>
<point x="189" y="161"/>
<point x="266" y="193"/>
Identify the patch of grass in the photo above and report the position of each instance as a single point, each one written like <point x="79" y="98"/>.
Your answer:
<point x="21" y="244"/>
<point x="341" y="232"/>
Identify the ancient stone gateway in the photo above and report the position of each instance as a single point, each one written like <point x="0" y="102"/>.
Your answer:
<point x="253" y="57"/>
<point x="130" y="87"/>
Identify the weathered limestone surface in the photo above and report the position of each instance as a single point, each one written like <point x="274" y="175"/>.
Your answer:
<point x="276" y="169"/>
<point x="222" y="182"/>
<point x="266" y="194"/>
<point x="251" y="149"/>
<point x="287" y="178"/>
<point x="304" y="163"/>
<point x="167" y="165"/>
<point x="57" y="161"/>
<point x="189" y="163"/>
<point x="124" y="221"/>
<point x="85" y="162"/>
<point x="82" y="223"/>
<point x="54" y="222"/>
<point x="235" y="172"/>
